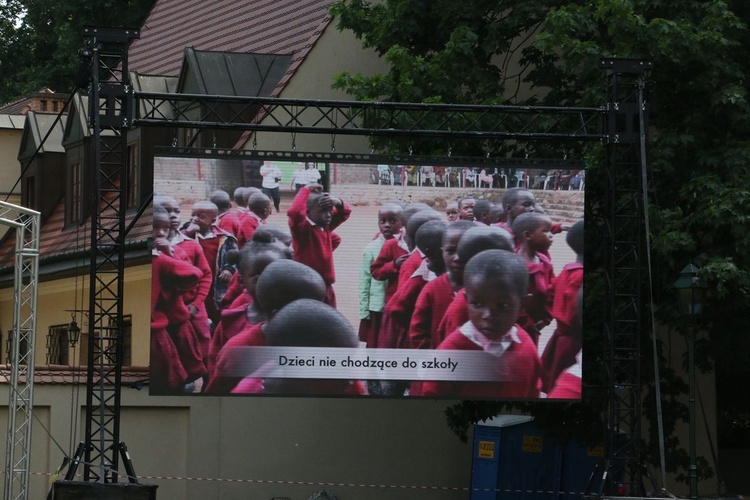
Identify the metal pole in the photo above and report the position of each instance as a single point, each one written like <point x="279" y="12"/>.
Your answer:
<point x="691" y="413"/>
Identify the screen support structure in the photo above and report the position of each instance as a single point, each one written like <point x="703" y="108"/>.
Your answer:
<point x="110" y="98"/>
<point x="626" y="126"/>
<point x="113" y="102"/>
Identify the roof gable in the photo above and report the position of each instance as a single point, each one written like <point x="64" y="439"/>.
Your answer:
<point x="154" y="83"/>
<point x="35" y="130"/>
<point x="77" y="123"/>
<point x="76" y="126"/>
<point x="236" y="74"/>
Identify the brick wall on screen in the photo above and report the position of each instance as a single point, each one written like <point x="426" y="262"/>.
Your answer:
<point x="190" y="179"/>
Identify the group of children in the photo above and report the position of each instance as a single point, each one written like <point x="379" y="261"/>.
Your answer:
<point x="482" y="280"/>
<point x="219" y="277"/>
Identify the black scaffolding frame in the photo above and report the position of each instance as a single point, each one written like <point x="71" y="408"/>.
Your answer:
<point x="115" y="107"/>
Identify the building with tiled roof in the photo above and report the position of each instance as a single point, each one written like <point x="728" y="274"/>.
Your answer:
<point x="206" y="448"/>
<point x="44" y="101"/>
<point x="302" y="29"/>
<point x="12" y="119"/>
<point x="243" y="26"/>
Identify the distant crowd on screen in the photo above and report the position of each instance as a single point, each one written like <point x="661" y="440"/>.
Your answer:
<point x="477" y="277"/>
<point x="503" y="178"/>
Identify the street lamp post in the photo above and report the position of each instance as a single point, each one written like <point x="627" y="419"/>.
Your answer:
<point x="691" y="294"/>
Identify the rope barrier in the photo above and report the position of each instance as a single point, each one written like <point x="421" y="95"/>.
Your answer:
<point x="347" y="485"/>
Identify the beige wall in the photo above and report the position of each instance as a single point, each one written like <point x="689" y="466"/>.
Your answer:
<point x="55" y="297"/>
<point x="354" y="445"/>
<point x="334" y="53"/>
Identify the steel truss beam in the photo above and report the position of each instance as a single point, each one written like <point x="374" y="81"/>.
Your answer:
<point x="109" y="101"/>
<point x="374" y="119"/>
<point x="21" y="402"/>
<point x="623" y="270"/>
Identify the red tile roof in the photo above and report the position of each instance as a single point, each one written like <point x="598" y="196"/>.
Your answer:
<point x="31" y="101"/>
<point x="261" y="26"/>
<point x="56" y="240"/>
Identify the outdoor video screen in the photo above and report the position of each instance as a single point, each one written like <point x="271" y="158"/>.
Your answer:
<point x="281" y="274"/>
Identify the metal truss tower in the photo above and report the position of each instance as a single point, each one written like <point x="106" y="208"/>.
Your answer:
<point x="21" y="403"/>
<point x="626" y="127"/>
<point x="110" y="99"/>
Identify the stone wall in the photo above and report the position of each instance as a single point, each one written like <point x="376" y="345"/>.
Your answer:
<point x="562" y="206"/>
<point x="194" y="179"/>
<point x="356" y="183"/>
<point x="348" y="173"/>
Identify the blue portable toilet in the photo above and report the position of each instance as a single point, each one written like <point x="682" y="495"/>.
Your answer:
<point x="514" y="460"/>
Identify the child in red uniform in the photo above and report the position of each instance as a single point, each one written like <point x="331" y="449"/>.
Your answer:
<point x="265" y="233"/>
<point x="312" y="218"/>
<point x="176" y="361"/>
<point x="569" y="384"/>
<point x="280" y="283"/>
<point x="565" y="343"/>
<point x="240" y="202"/>
<point x="291" y="327"/>
<point x="394" y="252"/>
<point x="169" y="279"/>
<point x="216" y="243"/>
<point x="371" y="290"/>
<point x="482" y="209"/>
<point x="466" y="208"/>
<point x="497" y="214"/>
<point x="258" y="210"/>
<point x="438" y="294"/>
<point x="474" y="240"/>
<point x="495" y="284"/>
<point x="451" y="211"/>
<point x="516" y="201"/>
<point x="533" y="240"/>
<point x="399" y="310"/>
<point x="270" y="233"/>
<point x="227" y="219"/>
<point x="393" y="330"/>
<point x="190" y="251"/>
<point x="254" y="258"/>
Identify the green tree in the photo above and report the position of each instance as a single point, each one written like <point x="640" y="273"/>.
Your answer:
<point x="699" y="177"/>
<point x="40" y="40"/>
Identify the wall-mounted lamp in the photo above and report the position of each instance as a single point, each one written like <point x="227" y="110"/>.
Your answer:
<point x="74" y="331"/>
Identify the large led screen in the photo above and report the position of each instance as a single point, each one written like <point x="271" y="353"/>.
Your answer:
<point x="280" y="274"/>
